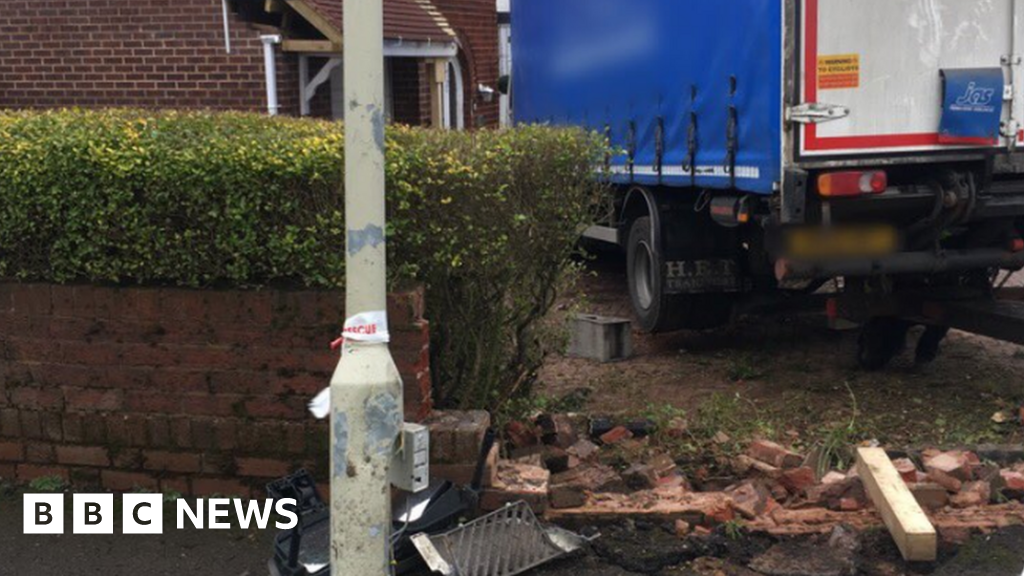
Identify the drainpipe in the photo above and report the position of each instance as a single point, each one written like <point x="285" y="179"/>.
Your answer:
<point x="227" y="26"/>
<point x="270" y="68"/>
<point x="366" y="390"/>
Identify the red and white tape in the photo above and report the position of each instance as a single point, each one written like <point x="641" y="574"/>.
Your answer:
<point x="370" y="327"/>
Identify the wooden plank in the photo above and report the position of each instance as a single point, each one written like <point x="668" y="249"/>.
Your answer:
<point x="437" y="70"/>
<point x="310" y="46"/>
<point x="903" y="516"/>
<point x="316" y="19"/>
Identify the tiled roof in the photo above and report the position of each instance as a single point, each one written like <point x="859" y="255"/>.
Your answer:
<point x="414" y="20"/>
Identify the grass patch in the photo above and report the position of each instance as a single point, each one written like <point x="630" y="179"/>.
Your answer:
<point x="47" y="484"/>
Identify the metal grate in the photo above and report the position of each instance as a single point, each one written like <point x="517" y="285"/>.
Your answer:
<point x="504" y="543"/>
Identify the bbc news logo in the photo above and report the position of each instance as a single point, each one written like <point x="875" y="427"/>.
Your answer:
<point x="144" y="513"/>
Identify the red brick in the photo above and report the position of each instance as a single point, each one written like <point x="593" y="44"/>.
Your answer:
<point x="39" y="453"/>
<point x="972" y="494"/>
<point x="774" y="454"/>
<point x="907" y="469"/>
<point x="405" y="307"/>
<point x="956" y="463"/>
<point x="127" y="458"/>
<point x="87" y="399"/>
<point x="220" y="486"/>
<point x="83" y="455"/>
<point x="1013" y="480"/>
<point x="213" y="405"/>
<point x="139" y="401"/>
<point x="27" y="472"/>
<point x="10" y="424"/>
<point x="179" y="484"/>
<point x="170" y="461"/>
<point x="262" y="467"/>
<point x="117" y="481"/>
<point x="12" y="451"/>
<point x="798" y="480"/>
<point x="32" y="398"/>
<point x="616" y="435"/>
<point x="276" y="408"/>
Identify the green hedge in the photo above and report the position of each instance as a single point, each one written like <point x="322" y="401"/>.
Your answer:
<point x="486" y="220"/>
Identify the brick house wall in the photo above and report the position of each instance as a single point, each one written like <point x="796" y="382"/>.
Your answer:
<point x="140" y="53"/>
<point x="164" y="54"/>
<point x="476" y="24"/>
<point x="198" y="392"/>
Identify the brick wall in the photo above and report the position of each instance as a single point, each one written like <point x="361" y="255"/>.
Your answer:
<point x="198" y="392"/>
<point x="476" y="24"/>
<point x="144" y="53"/>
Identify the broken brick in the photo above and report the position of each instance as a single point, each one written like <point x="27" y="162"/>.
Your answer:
<point x="945" y="480"/>
<point x="929" y="495"/>
<point x="850" y="504"/>
<point x="640" y="477"/>
<point x="562" y="496"/>
<point x="591" y="478"/>
<point x="583" y="449"/>
<point x="616" y="435"/>
<point x="517" y="482"/>
<point x="955" y="463"/>
<point x="833" y="477"/>
<point x="682" y="528"/>
<point x="750" y="499"/>
<point x="557" y="460"/>
<point x="521" y="435"/>
<point x="906" y="468"/>
<point x="557" y="430"/>
<point x="1013" y="480"/>
<point x="798" y="480"/>
<point x="774" y="454"/>
<point x="972" y="494"/>
<point x="743" y="465"/>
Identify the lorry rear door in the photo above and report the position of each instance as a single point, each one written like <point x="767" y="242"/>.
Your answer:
<point x="910" y="75"/>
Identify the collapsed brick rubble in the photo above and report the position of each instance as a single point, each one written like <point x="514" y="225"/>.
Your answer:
<point x="580" y="473"/>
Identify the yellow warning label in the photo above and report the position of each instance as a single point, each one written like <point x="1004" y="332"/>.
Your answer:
<point x="838" y="71"/>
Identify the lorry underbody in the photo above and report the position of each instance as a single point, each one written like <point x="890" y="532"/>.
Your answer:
<point x="939" y="232"/>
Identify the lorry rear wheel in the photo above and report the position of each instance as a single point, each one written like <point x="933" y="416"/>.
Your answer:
<point x="655" y="309"/>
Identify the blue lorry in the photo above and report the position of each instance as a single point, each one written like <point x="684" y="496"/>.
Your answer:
<point x="766" y="147"/>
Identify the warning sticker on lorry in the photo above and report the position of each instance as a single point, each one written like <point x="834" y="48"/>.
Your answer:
<point x="838" y="71"/>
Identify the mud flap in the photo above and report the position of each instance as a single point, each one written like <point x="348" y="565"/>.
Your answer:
<point x="972" y="106"/>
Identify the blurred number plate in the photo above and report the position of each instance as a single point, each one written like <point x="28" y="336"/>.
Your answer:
<point x="842" y="241"/>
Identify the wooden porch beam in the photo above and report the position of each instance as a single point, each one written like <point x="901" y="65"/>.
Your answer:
<point x="310" y="46"/>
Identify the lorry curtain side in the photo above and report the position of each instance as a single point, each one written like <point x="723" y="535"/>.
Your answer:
<point x="699" y="80"/>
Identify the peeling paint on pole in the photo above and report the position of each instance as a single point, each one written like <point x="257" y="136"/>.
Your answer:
<point x="378" y="125"/>
<point x="339" y="457"/>
<point x="372" y="236"/>
<point x="383" y="421"/>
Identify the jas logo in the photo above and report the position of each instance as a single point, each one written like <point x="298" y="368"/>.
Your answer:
<point x="976" y="99"/>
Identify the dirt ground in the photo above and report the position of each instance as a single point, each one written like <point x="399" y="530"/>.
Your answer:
<point x="792" y="378"/>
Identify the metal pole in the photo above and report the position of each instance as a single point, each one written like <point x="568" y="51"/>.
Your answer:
<point x="366" y="391"/>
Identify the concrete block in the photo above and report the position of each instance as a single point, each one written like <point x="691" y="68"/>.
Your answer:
<point x="601" y="338"/>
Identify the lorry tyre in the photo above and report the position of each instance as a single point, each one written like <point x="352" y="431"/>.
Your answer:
<point x="881" y="340"/>
<point x="655" y="309"/>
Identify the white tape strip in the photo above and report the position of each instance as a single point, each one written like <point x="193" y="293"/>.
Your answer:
<point x="367" y="327"/>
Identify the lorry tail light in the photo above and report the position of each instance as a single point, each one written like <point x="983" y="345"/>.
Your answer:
<point x="1017" y="245"/>
<point x="854" y="183"/>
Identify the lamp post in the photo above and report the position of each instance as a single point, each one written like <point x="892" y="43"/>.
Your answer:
<point x="366" y="390"/>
